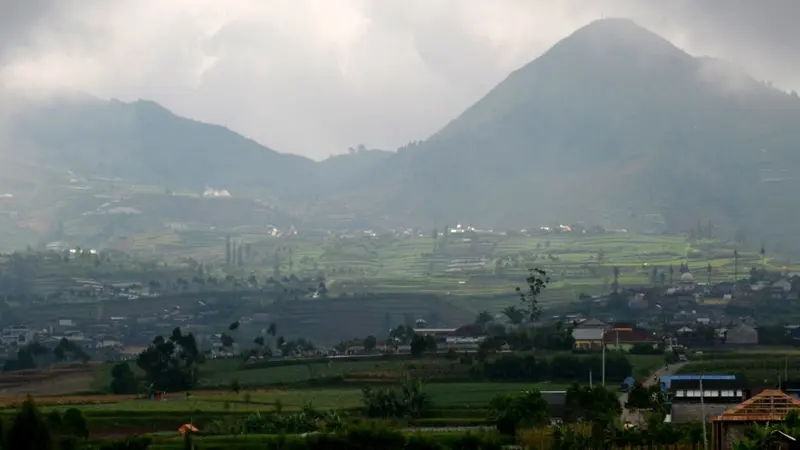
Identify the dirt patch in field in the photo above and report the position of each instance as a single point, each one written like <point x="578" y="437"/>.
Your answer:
<point x="58" y="380"/>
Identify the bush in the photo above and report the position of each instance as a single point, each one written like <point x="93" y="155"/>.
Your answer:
<point x="420" y="442"/>
<point x="407" y="400"/>
<point x="129" y="443"/>
<point x="372" y="436"/>
<point x="509" y="412"/>
<point x="74" y="423"/>
<point x="646" y="349"/>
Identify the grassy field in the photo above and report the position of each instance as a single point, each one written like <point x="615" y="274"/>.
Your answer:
<point x="219" y="374"/>
<point x="444" y="395"/>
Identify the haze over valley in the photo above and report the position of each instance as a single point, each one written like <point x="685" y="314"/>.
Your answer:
<point x="266" y="223"/>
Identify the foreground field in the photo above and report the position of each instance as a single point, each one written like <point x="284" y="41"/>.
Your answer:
<point x="444" y="395"/>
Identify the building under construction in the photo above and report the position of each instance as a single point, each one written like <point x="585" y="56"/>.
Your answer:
<point x="768" y="407"/>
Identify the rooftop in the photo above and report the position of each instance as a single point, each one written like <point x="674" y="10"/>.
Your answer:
<point x="769" y="406"/>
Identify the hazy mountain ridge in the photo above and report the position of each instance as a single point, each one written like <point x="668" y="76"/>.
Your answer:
<point x="613" y="121"/>
<point x="612" y="124"/>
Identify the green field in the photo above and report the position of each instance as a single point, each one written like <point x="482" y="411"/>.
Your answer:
<point x="757" y="365"/>
<point x="219" y="374"/>
<point x="373" y="283"/>
<point x="444" y="395"/>
<point x="487" y="265"/>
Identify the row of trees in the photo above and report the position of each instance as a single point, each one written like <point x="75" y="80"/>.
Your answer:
<point x="30" y="430"/>
<point x="561" y="367"/>
<point x="36" y="354"/>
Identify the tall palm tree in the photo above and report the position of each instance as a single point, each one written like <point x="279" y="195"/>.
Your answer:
<point x="272" y="330"/>
<point x="514" y="315"/>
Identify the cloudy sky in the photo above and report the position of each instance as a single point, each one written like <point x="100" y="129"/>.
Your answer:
<point x="318" y="76"/>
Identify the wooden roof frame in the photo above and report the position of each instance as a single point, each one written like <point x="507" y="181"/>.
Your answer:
<point x="771" y="405"/>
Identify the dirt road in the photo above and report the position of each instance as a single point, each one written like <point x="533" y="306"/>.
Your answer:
<point x="634" y="416"/>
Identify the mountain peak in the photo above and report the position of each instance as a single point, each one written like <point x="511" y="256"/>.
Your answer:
<point x="616" y="36"/>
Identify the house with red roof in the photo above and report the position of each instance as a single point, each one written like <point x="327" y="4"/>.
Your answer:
<point x="623" y="339"/>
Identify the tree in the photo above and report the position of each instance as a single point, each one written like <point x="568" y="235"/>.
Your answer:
<point x="671" y="274"/>
<point x="420" y="344"/>
<point x="484" y="318"/>
<point x="123" y="381"/>
<point x="591" y="404"/>
<point x="370" y="343"/>
<point x="171" y="364"/>
<point x="511" y="412"/>
<point x="708" y="273"/>
<point x="272" y="330"/>
<point x="68" y="350"/>
<point x="515" y="315"/>
<point x="227" y="340"/>
<point x="280" y="345"/>
<point x="615" y="287"/>
<point x="74" y="423"/>
<point x="402" y="334"/>
<point x="29" y="431"/>
<point x="643" y="398"/>
<point x="537" y="280"/>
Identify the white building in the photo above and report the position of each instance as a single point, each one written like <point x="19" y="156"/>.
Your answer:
<point x="21" y="335"/>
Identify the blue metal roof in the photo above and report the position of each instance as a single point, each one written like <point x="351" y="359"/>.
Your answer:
<point x="666" y="381"/>
<point x="697" y="377"/>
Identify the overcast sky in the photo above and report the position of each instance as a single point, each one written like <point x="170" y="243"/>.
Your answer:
<point x="315" y="77"/>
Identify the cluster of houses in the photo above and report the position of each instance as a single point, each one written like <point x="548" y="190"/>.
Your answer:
<point x="590" y="334"/>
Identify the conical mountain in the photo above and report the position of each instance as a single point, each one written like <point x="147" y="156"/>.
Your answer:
<point x="613" y="125"/>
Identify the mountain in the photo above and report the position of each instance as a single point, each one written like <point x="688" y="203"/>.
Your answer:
<point x="612" y="125"/>
<point x="145" y="143"/>
<point x="67" y="158"/>
<point x="337" y="169"/>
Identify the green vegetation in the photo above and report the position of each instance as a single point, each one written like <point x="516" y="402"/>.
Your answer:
<point x="758" y="365"/>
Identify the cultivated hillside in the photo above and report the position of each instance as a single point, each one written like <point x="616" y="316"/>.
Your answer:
<point x="614" y="125"/>
<point x="144" y="142"/>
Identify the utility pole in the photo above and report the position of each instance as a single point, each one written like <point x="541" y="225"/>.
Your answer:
<point x="590" y="379"/>
<point x="703" y="412"/>
<point x="604" y="360"/>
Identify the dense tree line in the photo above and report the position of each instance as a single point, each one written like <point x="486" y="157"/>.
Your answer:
<point x="560" y="367"/>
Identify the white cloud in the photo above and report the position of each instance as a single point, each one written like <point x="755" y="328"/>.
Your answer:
<point x="310" y="76"/>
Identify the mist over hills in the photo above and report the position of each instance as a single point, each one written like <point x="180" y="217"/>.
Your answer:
<point x="613" y="125"/>
<point x="610" y="125"/>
